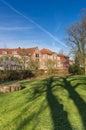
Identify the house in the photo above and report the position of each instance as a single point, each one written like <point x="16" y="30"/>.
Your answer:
<point x="43" y="55"/>
<point x="22" y="54"/>
<point x="64" y="61"/>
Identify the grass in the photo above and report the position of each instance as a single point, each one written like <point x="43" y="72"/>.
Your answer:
<point x="45" y="104"/>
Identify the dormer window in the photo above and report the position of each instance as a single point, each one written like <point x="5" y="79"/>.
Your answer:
<point x="4" y="52"/>
<point x="14" y="52"/>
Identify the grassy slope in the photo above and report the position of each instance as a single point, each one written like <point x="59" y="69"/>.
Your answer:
<point x="50" y="104"/>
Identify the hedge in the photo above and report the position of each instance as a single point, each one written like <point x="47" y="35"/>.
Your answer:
<point x="9" y="75"/>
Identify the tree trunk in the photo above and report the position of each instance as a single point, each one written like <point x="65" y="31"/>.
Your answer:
<point x="85" y="66"/>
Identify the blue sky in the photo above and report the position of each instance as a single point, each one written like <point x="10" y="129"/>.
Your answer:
<point x="42" y="23"/>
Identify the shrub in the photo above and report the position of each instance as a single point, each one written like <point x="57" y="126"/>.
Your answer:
<point x="13" y="75"/>
<point x="27" y="74"/>
<point x="39" y="72"/>
<point x="10" y="75"/>
<point x="3" y="76"/>
<point x="75" y="69"/>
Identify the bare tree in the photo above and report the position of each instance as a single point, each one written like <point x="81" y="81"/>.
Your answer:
<point x="33" y="64"/>
<point x="51" y="65"/>
<point x="77" y="41"/>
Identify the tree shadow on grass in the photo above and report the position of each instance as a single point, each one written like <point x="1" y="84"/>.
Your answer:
<point x="32" y="117"/>
<point x="25" y="119"/>
<point x="80" y="104"/>
<point x="59" y="116"/>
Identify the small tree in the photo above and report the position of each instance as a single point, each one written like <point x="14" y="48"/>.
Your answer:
<point x="75" y="69"/>
<point x="51" y="65"/>
<point x="33" y="64"/>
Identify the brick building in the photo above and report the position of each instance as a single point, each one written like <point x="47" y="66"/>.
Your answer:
<point x="61" y="61"/>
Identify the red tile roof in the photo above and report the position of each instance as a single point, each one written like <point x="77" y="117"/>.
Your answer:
<point x="18" y="50"/>
<point x="62" y="55"/>
<point x="31" y="50"/>
<point x="46" y="51"/>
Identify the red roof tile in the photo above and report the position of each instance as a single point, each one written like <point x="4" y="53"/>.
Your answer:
<point x="46" y="51"/>
<point x="62" y="55"/>
<point x="18" y="50"/>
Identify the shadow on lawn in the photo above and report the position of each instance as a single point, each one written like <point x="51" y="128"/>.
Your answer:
<point x="32" y="118"/>
<point x="59" y="116"/>
<point x="26" y="116"/>
<point x="80" y="104"/>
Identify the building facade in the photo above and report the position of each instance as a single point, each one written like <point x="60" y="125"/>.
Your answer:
<point x="25" y="55"/>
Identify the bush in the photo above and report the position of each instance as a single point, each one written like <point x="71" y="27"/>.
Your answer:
<point x="13" y="75"/>
<point x="27" y="74"/>
<point x="3" y="76"/>
<point x="75" y="69"/>
<point x="10" y="75"/>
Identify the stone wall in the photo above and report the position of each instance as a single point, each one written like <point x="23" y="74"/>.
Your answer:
<point x="10" y="88"/>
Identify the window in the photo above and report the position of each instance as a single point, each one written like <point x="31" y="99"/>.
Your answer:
<point x="37" y="55"/>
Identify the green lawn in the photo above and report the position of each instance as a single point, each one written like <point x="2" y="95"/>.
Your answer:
<point x="45" y="104"/>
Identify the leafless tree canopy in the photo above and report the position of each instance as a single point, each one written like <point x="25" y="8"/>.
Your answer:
<point x="77" y="39"/>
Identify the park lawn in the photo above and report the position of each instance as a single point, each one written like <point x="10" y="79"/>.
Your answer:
<point x="45" y="104"/>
